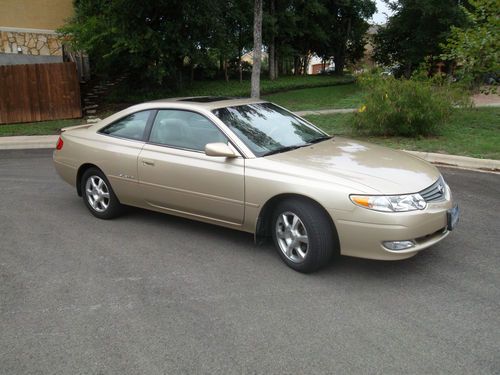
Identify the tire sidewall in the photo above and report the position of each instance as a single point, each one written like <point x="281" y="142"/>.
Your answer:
<point x="320" y="236"/>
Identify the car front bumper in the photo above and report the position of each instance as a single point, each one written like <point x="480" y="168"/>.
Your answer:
<point x="362" y="232"/>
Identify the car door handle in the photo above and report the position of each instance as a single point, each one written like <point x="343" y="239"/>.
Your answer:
<point x="148" y="162"/>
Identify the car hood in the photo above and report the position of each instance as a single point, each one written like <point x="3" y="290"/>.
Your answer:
<point x="381" y="169"/>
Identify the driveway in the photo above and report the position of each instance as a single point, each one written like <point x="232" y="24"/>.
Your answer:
<point x="153" y="294"/>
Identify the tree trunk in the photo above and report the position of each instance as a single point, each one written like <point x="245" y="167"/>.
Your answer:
<point x="257" y="48"/>
<point x="221" y="65"/>
<point x="276" y="64"/>
<point x="296" y="65"/>
<point x="272" y="45"/>
<point x="240" y="68"/>
<point x="240" y="49"/>
<point x="339" y="60"/>
<point x="272" y="62"/>
<point x="226" y="75"/>
<point x="305" y="64"/>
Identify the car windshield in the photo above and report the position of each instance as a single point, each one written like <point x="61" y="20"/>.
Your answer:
<point x="268" y="129"/>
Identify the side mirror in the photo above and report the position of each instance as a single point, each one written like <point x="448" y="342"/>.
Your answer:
<point x="219" y="149"/>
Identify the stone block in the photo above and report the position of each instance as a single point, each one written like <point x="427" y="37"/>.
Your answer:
<point x="20" y="39"/>
<point x="54" y="43"/>
<point x="6" y="46"/>
<point x="44" y="51"/>
<point x="42" y="38"/>
<point x="39" y="44"/>
<point x="31" y="43"/>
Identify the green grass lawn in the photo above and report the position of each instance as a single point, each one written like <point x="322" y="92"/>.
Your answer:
<point x="37" y="128"/>
<point x="125" y="94"/>
<point x="340" y="96"/>
<point x="471" y="132"/>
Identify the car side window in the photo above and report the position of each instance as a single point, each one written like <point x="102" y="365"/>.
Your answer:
<point x="184" y="129"/>
<point x="130" y="127"/>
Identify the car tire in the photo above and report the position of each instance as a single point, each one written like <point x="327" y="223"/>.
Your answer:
<point x="303" y="235"/>
<point x="98" y="195"/>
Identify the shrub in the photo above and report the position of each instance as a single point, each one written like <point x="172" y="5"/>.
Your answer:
<point x="405" y="107"/>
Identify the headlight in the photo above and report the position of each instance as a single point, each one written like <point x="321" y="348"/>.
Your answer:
<point x="390" y="203"/>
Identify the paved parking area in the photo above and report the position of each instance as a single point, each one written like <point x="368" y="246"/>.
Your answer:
<point x="153" y="294"/>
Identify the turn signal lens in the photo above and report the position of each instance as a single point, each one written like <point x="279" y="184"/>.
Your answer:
<point x="59" y="144"/>
<point x="362" y="201"/>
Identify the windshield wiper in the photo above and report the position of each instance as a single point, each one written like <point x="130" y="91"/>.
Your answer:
<point x="320" y="139"/>
<point x="284" y="149"/>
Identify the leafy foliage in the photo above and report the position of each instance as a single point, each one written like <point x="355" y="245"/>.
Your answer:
<point x="475" y="47"/>
<point x="405" y="107"/>
<point x="415" y="31"/>
<point x="164" y="41"/>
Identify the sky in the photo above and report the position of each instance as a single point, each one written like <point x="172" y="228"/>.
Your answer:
<point x="380" y="17"/>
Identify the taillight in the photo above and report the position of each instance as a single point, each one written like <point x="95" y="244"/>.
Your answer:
<point x="59" y="144"/>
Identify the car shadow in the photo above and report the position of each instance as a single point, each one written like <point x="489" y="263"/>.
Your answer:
<point x="340" y="267"/>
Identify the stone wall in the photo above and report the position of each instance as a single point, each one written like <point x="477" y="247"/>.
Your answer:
<point x="30" y="43"/>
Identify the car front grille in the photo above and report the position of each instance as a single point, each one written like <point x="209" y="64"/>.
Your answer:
<point x="435" y="192"/>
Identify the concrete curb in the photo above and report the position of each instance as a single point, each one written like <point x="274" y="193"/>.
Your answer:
<point x="28" y="142"/>
<point x="488" y="165"/>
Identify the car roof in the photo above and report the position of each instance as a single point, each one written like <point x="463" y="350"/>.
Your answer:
<point x="208" y="102"/>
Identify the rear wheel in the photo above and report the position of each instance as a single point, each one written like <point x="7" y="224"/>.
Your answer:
<point x="98" y="195"/>
<point x="303" y="235"/>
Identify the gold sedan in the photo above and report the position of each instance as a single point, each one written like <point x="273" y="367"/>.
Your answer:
<point x="256" y="167"/>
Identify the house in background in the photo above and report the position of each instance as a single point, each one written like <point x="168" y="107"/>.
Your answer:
<point x="317" y="65"/>
<point x="248" y="57"/>
<point x="27" y="30"/>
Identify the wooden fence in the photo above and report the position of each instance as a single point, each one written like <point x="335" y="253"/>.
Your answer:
<point x="39" y="92"/>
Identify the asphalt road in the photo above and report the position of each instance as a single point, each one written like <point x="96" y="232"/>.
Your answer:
<point x="153" y="294"/>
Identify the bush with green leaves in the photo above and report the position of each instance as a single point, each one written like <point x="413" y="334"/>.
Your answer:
<point x="405" y="107"/>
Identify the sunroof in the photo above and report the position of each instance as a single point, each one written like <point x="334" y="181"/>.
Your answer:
<point x="206" y="99"/>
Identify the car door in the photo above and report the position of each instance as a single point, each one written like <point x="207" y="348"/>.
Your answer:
<point x="118" y="152"/>
<point x="175" y="175"/>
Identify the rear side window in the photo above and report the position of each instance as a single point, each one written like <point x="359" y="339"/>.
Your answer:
<point x="131" y="127"/>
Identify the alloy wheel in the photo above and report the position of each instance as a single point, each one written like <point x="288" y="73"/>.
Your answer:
<point x="292" y="237"/>
<point x="97" y="193"/>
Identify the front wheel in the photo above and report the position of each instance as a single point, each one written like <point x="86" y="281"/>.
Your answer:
<point x="98" y="195"/>
<point x="303" y="235"/>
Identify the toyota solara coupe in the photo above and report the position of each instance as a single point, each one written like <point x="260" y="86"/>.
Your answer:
<point x="256" y="167"/>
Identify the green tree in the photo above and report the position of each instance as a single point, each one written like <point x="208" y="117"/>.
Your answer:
<point x="152" y="39"/>
<point x="415" y="31"/>
<point x="475" y="47"/>
<point x="346" y="28"/>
